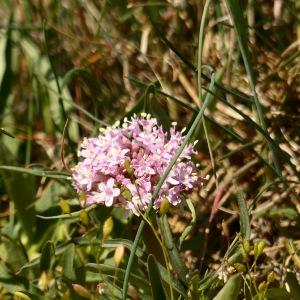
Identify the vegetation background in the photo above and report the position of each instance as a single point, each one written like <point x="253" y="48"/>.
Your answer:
<point x="70" y="67"/>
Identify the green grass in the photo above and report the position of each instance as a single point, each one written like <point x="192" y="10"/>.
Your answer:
<point x="68" y="68"/>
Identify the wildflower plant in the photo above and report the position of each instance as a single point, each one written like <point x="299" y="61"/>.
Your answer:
<point x="236" y="239"/>
<point x="123" y="165"/>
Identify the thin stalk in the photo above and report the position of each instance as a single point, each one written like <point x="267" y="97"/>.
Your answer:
<point x="159" y="185"/>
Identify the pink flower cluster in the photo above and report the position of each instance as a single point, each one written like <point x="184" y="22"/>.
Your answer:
<point x="123" y="165"/>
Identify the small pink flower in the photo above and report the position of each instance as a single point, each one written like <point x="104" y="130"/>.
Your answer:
<point x="106" y="193"/>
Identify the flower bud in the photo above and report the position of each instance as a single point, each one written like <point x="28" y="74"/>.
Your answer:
<point x="262" y="287"/>
<point x="125" y="192"/>
<point x="271" y="277"/>
<point x="164" y="206"/>
<point x="128" y="167"/>
<point x="247" y="246"/>
<point x="84" y="218"/>
<point x="119" y="253"/>
<point x="64" y="205"/>
<point x="259" y="248"/>
<point x="44" y="281"/>
<point x="82" y="198"/>
<point x="82" y="291"/>
<point x="108" y="226"/>
<point x="240" y="267"/>
<point x="22" y="295"/>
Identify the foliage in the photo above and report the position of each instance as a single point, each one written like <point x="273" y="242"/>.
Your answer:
<point x="227" y="71"/>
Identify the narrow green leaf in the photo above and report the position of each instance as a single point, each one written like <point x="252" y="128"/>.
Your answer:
<point x="244" y="216"/>
<point x="175" y="283"/>
<point x="155" y="280"/>
<point x="231" y="289"/>
<point x="37" y="172"/>
<point x="72" y="215"/>
<point x="113" y="243"/>
<point x="67" y="262"/>
<point x="47" y="257"/>
<point x="175" y="259"/>
<point x="189" y="228"/>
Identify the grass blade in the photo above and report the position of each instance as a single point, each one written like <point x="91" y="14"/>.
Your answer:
<point x="155" y="280"/>
<point x="241" y="28"/>
<point x="37" y="172"/>
<point x="244" y="216"/>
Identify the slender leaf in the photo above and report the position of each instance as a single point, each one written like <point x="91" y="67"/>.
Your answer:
<point x="155" y="280"/>
<point x="231" y="289"/>
<point x="37" y="172"/>
<point x="244" y="216"/>
<point x="67" y="262"/>
<point x="47" y="257"/>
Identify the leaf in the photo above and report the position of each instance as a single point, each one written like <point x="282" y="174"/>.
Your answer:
<point x="175" y="259"/>
<point x="277" y="294"/>
<point x="36" y="172"/>
<point x="47" y="257"/>
<point x="21" y="189"/>
<point x="231" y="289"/>
<point x="293" y="285"/>
<point x="175" y="283"/>
<point x="67" y="262"/>
<point x="277" y="212"/>
<point x="50" y="195"/>
<point x="244" y="216"/>
<point x="12" y="253"/>
<point x="113" y="243"/>
<point x="155" y="280"/>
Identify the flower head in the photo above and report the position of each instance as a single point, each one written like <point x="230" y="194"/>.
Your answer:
<point x="124" y="164"/>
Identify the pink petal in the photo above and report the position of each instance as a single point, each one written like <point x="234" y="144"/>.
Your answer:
<point x="173" y="181"/>
<point x="109" y="201"/>
<point x="116" y="192"/>
<point x="110" y="183"/>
